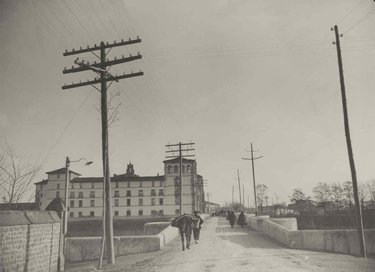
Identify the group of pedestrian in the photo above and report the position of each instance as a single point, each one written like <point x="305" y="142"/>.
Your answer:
<point x="232" y="219"/>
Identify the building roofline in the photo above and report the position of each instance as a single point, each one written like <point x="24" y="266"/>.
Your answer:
<point x="62" y="171"/>
<point x="178" y="160"/>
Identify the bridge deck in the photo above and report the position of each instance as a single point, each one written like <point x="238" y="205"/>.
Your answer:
<point x="240" y="249"/>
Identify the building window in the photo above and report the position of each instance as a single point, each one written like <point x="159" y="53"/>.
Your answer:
<point x="153" y="201"/>
<point x="117" y="193"/>
<point x="177" y="211"/>
<point x="161" y="192"/>
<point x="153" y="184"/>
<point x="116" y="213"/>
<point x="161" y="212"/>
<point x="175" y="169"/>
<point x="58" y="186"/>
<point x="161" y="183"/>
<point x="58" y="194"/>
<point x="128" y="184"/>
<point x="128" y="203"/>
<point x="71" y="214"/>
<point x="92" y="185"/>
<point x="92" y="213"/>
<point x="161" y="201"/>
<point x="128" y="213"/>
<point x="154" y="213"/>
<point x="140" y="184"/>
<point x="177" y="200"/>
<point x="153" y="193"/>
<point x="116" y="184"/>
<point x="72" y="203"/>
<point x="140" y="192"/>
<point x="92" y="194"/>
<point x="80" y="203"/>
<point x="169" y="169"/>
<point x="128" y="193"/>
<point x="41" y="195"/>
<point x="116" y="202"/>
<point x="80" y="195"/>
<point x="140" y="212"/>
<point x="92" y="203"/>
<point x="80" y="185"/>
<point x="72" y="195"/>
<point x="140" y="202"/>
<point x="79" y="214"/>
<point x="58" y="176"/>
<point x="189" y="168"/>
<point x="72" y="185"/>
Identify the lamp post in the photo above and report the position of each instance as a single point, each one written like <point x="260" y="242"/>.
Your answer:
<point x="67" y="181"/>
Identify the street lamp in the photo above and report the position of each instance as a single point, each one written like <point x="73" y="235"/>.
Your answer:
<point x="67" y="181"/>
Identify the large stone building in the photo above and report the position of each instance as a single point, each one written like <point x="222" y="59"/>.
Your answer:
<point x="132" y="195"/>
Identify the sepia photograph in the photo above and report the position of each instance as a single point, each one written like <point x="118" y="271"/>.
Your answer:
<point x="187" y="135"/>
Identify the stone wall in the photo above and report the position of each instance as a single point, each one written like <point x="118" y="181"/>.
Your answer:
<point x="29" y="241"/>
<point x="285" y="231"/>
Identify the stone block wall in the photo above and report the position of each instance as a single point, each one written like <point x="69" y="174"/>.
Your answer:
<point x="29" y="241"/>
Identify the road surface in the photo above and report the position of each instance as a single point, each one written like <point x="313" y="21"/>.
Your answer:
<point x="239" y="249"/>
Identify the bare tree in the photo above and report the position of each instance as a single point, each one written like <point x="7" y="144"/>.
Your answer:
<point x="323" y="194"/>
<point x="16" y="177"/>
<point x="337" y="191"/>
<point x="348" y="193"/>
<point x="370" y="186"/>
<point x="261" y="190"/>
<point x="113" y="109"/>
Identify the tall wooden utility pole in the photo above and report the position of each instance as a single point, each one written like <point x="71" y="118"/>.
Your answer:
<point x="358" y="210"/>
<point x="252" y="165"/>
<point x="239" y="185"/>
<point x="101" y="68"/>
<point x="180" y="156"/>
<point x="243" y="195"/>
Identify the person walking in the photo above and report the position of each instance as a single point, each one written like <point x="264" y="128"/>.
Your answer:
<point x="232" y="219"/>
<point x="197" y="227"/>
<point x="241" y="220"/>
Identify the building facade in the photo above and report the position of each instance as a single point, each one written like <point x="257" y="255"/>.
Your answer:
<point x="132" y="195"/>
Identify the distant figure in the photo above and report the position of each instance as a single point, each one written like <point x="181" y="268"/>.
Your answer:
<point x="231" y="218"/>
<point x="241" y="220"/>
<point x="197" y="226"/>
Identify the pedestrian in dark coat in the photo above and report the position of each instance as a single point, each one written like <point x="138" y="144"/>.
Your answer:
<point x="232" y="219"/>
<point x="197" y="227"/>
<point x="241" y="220"/>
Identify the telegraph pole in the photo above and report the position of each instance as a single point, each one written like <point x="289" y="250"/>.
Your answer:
<point x="101" y="68"/>
<point x="358" y="209"/>
<point x="252" y="165"/>
<point x="232" y="195"/>
<point x="180" y="156"/>
<point x="239" y="184"/>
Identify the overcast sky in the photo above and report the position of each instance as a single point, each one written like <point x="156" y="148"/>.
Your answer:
<point x="219" y="73"/>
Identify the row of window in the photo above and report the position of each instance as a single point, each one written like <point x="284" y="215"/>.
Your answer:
<point x="116" y="193"/>
<point x="140" y="184"/>
<point x="117" y="202"/>
<point x="174" y="169"/>
<point x="117" y="213"/>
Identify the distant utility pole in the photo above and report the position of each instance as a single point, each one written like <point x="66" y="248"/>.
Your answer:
<point x="172" y="149"/>
<point x="239" y="184"/>
<point x="358" y="209"/>
<point x="252" y="165"/>
<point x="101" y="68"/>
<point x="232" y="195"/>
<point x="243" y="195"/>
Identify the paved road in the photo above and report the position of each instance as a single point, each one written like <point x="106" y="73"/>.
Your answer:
<point x="240" y="249"/>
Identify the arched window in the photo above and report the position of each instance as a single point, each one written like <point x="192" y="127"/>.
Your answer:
<point x="175" y="169"/>
<point x="169" y="169"/>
